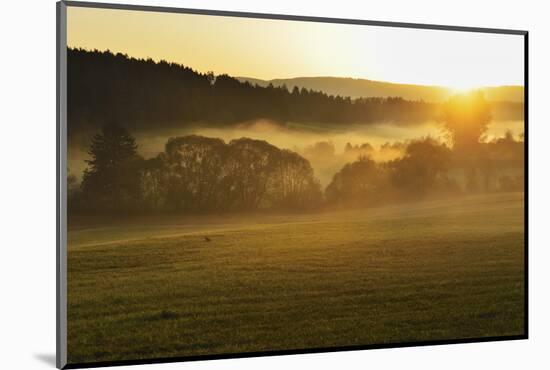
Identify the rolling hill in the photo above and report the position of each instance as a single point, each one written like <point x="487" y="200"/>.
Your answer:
<point x="356" y="88"/>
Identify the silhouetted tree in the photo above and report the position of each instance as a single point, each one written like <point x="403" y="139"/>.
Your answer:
<point x="154" y="183"/>
<point x="466" y="117"/>
<point x="320" y="150"/>
<point x="424" y="164"/>
<point x="294" y="185"/>
<point x="420" y="171"/>
<point x="250" y="165"/>
<point x="358" y="183"/>
<point x="195" y="171"/>
<point x="112" y="179"/>
<point x="201" y="174"/>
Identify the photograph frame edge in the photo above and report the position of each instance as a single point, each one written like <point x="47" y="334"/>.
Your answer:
<point x="289" y="17"/>
<point x="61" y="191"/>
<point x="61" y="186"/>
<point x="526" y="180"/>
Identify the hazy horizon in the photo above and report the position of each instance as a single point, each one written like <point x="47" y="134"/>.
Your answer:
<point x="208" y="216"/>
<point x="255" y="47"/>
<point x="298" y="77"/>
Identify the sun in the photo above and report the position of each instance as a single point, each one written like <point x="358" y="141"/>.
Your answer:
<point x="463" y="87"/>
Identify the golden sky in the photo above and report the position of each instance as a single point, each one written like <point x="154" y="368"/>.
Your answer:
<point x="269" y="49"/>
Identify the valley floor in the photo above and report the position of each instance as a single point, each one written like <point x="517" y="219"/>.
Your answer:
<point x="185" y="286"/>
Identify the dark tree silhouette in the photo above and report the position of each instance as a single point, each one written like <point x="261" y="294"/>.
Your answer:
<point x="201" y="174"/>
<point x="466" y="117"/>
<point x="112" y="179"/>
<point x="194" y="166"/>
<point x="358" y="183"/>
<point x="294" y="184"/>
<point x="424" y="164"/>
<point x="420" y="171"/>
<point x="154" y="183"/>
<point x="250" y="165"/>
<point x="104" y="87"/>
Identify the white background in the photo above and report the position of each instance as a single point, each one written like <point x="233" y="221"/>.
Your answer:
<point x="27" y="181"/>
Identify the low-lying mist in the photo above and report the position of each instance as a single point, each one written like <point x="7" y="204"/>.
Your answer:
<point x="327" y="147"/>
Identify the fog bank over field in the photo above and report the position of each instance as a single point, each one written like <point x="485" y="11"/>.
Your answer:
<point x="383" y="138"/>
<point x="107" y="88"/>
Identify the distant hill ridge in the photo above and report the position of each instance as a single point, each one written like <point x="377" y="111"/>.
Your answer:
<point x="105" y="87"/>
<point x="356" y="88"/>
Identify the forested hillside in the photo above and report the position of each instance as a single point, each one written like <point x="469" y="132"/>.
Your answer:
<point x="105" y="87"/>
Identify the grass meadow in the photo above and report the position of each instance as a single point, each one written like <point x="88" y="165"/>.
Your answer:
<point x="184" y="286"/>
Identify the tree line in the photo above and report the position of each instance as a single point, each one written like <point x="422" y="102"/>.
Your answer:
<point x="194" y="174"/>
<point x="197" y="174"/>
<point x="108" y="87"/>
<point x="201" y="174"/>
<point x="424" y="168"/>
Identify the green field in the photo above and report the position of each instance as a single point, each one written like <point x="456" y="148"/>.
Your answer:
<point x="144" y="288"/>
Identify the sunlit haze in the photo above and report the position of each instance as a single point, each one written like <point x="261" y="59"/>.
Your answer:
<point x="269" y="49"/>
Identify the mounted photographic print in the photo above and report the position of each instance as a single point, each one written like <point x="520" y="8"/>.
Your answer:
<point x="235" y="184"/>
